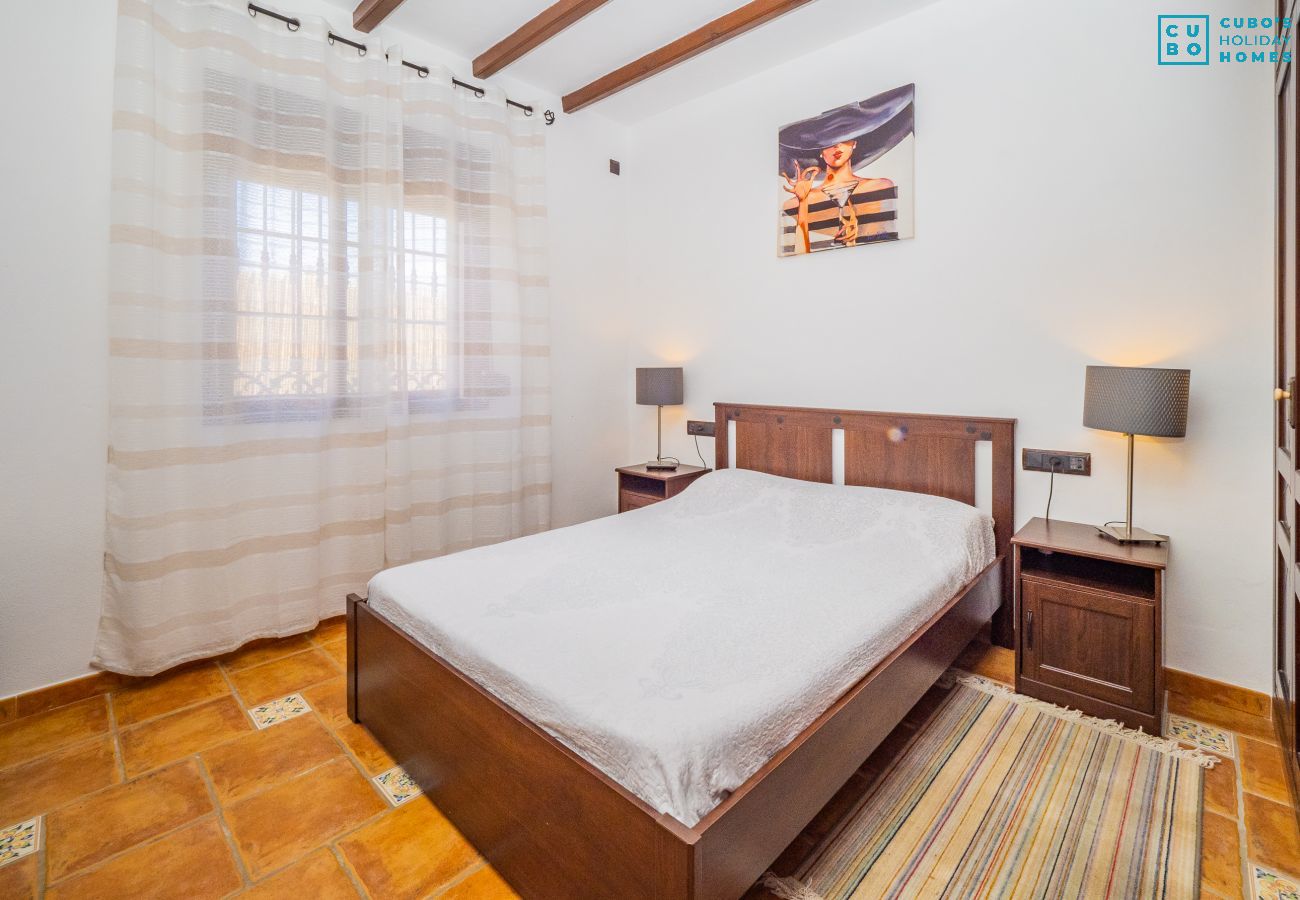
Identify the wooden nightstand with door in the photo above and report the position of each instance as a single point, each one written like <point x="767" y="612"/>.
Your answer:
<point x="1089" y="622"/>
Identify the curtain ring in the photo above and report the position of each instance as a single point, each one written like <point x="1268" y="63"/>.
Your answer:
<point x="293" y="25"/>
<point x="361" y="51"/>
<point x="528" y="110"/>
<point x="480" y="93"/>
<point x="424" y="72"/>
<point x="329" y="38"/>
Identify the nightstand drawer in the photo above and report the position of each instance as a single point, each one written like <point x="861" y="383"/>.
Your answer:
<point x="1090" y="642"/>
<point x="633" y="500"/>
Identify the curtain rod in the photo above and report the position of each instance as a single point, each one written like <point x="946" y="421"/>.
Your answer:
<point x="294" y="24"/>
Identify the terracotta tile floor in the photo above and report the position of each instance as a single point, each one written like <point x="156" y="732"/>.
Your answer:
<point x="169" y="788"/>
<point x="244" y="777"/>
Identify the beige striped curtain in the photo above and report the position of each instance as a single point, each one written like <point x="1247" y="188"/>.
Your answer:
<point x="328" y="327"/>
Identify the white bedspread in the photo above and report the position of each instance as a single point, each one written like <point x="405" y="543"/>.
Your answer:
<point x="679" y="646"/>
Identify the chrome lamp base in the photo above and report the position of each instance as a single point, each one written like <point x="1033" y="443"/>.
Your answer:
<point x="660" y="463"/>
<point x="1123" y="535"/>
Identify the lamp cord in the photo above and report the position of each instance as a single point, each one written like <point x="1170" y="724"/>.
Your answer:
<point x="698" y="453"/>
<point x="1051" y="487"/>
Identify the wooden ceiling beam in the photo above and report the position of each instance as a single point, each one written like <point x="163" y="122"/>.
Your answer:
<point x="720" y="30"/>
<point x="369" y="13"/>
<point x="532" y="34"/>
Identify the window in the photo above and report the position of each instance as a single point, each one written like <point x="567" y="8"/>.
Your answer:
<point x="295" y="310"/>
<point x="425" y="319"/>
<point x="288" y="337"/>
<point x="297" y="329"/>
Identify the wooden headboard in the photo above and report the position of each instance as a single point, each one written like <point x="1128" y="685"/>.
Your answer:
<point x="927" y="454"/>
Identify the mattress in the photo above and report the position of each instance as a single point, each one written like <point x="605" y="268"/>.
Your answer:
<point x="678" y="647"/>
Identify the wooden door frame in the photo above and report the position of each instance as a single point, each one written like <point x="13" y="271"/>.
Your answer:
<point x="1285" y="580"/>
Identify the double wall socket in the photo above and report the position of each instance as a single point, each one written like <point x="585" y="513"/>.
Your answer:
<point x="1067" y="462"/>
<point x="700" y="429"/>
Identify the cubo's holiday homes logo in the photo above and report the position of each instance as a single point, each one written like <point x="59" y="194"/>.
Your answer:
<point x="1185" y="40"/>
<point x="1182" y="40"/>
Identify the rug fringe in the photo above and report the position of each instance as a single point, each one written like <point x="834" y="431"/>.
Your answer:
<point x="1106" y="726"/>
<point x="789" y="888"/>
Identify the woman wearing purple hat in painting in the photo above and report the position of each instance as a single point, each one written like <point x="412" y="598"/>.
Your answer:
<point x="830" y="199"/>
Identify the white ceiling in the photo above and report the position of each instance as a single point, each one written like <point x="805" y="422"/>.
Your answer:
<point x="623" y="30"/>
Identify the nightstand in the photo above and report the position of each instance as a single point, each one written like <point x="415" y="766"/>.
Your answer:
<point x="638" y="486"/>
<point x="1088" y="625"/>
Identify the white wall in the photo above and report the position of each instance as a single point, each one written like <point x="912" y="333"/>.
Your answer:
<point x="53" y="274"/>
<point x="1075" y="204"/>
<point x="588" y="318"/>
<point x="54" y="163"/>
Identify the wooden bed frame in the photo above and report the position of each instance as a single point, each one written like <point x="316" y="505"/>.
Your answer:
<point x="553" y="825"/>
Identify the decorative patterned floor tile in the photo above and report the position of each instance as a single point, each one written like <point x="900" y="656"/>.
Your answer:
<point x="19" y="840"/>
<point x="1207" y="737"/>
<point x="273" y="712"/>
<point x="397" y="786"/>
<point x="1271" y="886"/>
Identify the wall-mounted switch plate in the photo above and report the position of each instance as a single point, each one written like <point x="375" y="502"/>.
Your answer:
<point x="700" y="429"/>
<point x="1068" y="462"/>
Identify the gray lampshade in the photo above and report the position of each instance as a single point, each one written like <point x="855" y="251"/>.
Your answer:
<point x="659" y="387"/>
<point x="1137" y="400"/>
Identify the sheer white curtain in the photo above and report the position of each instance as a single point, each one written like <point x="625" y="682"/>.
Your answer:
<point x="328" y="327"/>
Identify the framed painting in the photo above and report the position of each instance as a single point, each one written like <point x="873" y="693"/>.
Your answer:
<point x="846" y="176"/>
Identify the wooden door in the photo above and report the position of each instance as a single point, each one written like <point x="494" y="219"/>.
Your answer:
<point x="1113" y="664"/>
<point x="1286" y="613"/>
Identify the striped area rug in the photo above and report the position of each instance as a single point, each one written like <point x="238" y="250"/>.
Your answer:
<point x="1000" y="795"/>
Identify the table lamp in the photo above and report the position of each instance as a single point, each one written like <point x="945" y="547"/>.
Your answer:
<point x="1133" y="401"/>
<point x="659" y="387"/>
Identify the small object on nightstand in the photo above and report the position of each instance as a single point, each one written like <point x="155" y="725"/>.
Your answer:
<point x="1089" y="629"/>
<point x="641" y="486"/>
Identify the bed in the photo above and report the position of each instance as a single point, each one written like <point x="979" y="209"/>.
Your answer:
<point x="655" y="704"/>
